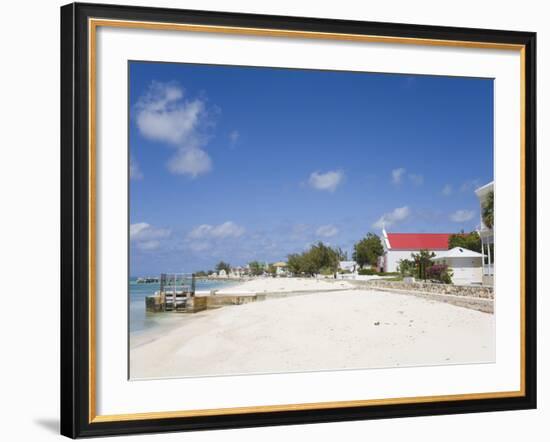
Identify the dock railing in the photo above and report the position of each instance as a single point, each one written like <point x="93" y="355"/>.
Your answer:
<point x="175" y="292"/>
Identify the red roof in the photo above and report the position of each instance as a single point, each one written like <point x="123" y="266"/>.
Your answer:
<point x="417" y="241"/>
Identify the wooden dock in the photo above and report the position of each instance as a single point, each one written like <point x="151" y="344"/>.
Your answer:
<point x="176" y="294"/>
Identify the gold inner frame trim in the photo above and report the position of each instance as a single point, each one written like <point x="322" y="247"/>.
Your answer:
<point x="93" y="24"/>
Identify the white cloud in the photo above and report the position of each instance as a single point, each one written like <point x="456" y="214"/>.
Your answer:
<point x="447" y="190"/>
<point x="192" y="162"/>
<point x="135" y="229"/>
<point x="234" y="136"/>
<point x="201" y="231"/>
<point x="163" y="114"/>
<point x="328" y="181"/>
<point x="135" y="171"/>
<point x="417" y="180"/>
<point x="226" y="230"/>
<point x="327" y="231"/>
<point x="461" y="216"/>
<point x="146" y="237"/>
<point x="397" y="175"/>
<point x="388" y="219"/>
<point x="148" y="245"/>
<point x="145" y="231"/>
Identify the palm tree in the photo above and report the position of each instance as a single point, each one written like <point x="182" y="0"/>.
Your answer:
<point x="487" y="213"/>
<point x="423" y="259"/>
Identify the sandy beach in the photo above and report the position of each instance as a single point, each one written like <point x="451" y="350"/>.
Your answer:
<point x="259" y="285"/>
<point x="346" y="329"/>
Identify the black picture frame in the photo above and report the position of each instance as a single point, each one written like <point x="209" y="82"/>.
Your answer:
<point x="75" y="221"/>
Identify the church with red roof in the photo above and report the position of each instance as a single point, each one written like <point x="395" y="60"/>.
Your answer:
<point x="398" y="246"/>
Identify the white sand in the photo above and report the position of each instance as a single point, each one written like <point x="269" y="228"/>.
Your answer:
<point x="319" y="331"/>
<point x="259" y="285"/>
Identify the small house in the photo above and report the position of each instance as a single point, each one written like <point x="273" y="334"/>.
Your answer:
<point x="280" y="268"/>
<point x="465" y="264"/>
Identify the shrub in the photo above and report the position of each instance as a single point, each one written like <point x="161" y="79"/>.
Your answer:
<point x="439" y="272"/>
<point x="423" y="261"/>
<point x="368" y="272"/>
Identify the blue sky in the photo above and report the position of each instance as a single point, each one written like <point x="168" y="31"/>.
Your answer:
<point x="240" y="163"/>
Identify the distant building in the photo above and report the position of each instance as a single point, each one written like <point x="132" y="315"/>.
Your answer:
<point x="222" y="273"/>
<point x="237" y="272"/>
<point x="465" y="265"/>
<point x="349" y="266"/>
<point x="486" y="235"/>
<point x="280" y="268"/>
<point x="398" y="246"/>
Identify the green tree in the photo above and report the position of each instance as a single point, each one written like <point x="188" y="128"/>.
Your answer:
<point x="407" y="267"/>
<point x="487" y="212"/>
<point x="318" y="257"/>
<point x="470" y="241"/>
<point x="367" y="250"/>
<point x="295" y="264"/>
<point x="423" y="260"/>
<point x="256" y="268"/>
<point x="223" y="266"/>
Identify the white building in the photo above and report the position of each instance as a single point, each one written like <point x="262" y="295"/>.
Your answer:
<point x="237" y="272"/>
<point x="349" y="266"/>
<point x="486" y="235"/>
<point x="465" y="264"/>
<point x="398" y="246"/>
<point x="280" y="268"/>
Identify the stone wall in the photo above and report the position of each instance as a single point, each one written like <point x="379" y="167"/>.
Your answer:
<point x="429" y="287"/>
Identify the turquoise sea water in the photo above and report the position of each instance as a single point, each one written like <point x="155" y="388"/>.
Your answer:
<point x="140" y="320"/>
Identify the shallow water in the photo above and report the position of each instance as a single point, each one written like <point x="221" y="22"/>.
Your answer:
<point x="140" y="320"/>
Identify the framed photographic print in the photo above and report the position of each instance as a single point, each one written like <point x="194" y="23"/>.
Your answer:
<point x="276" y="220"/>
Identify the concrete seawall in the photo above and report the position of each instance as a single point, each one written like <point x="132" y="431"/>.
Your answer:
<point x="214" y="300"/>
<point x="476" y="298"/>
